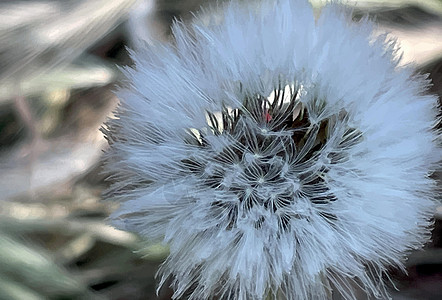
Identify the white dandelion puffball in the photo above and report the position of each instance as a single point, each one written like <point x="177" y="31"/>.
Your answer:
<point x="277" y="155"/>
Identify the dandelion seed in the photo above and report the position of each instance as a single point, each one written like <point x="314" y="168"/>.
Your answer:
<point x="277" y="156"/>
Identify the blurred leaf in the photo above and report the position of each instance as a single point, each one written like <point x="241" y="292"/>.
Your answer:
<point x="156" y="251"/>
<point x="28" y="273"/>
<point x="75" y="248"/>
<point x="88" y="71"/>
<point x="431" y="5"/>
<point x="36" y="36"/>
<point x="15" y="291"/>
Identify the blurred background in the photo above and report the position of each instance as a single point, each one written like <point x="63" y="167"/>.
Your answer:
<point x="59" y="64"/>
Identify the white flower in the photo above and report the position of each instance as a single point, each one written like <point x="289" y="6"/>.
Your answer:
<point x="277" y="155"/>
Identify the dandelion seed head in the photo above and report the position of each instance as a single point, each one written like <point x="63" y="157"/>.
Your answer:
<point x="276" y="155"/>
